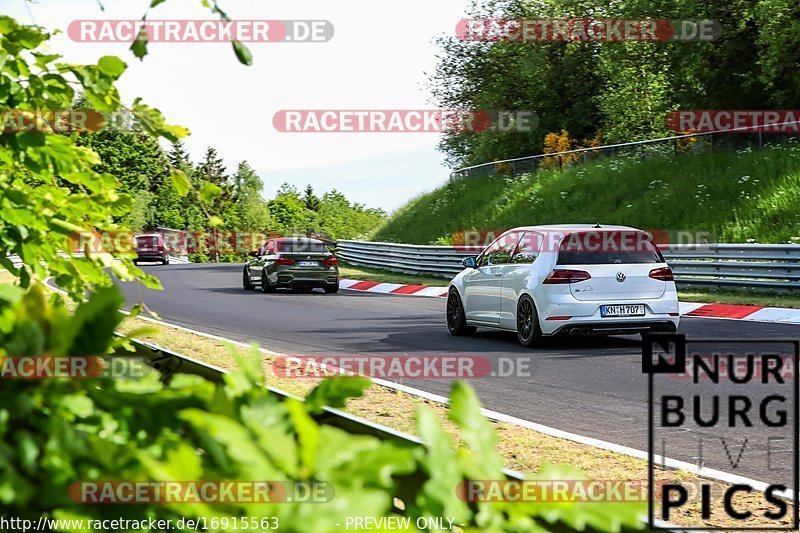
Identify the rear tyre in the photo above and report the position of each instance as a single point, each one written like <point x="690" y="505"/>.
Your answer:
<point x="266" y="287"/>
<point x="456" y="319"/>
<point x="332" y="289"/>
<point x="528" y="331"/>
<point x="165" y="261"/>
<point x="246" y="283"/>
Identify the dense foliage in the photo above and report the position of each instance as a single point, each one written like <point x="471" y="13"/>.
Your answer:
<point x="57" y="432"/>
<point x="622" y="90"/>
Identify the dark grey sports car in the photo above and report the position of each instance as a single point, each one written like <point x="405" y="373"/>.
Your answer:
<point x="297" y="263"/>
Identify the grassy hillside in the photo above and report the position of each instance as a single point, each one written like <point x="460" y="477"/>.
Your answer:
<point x="739" y="196"/>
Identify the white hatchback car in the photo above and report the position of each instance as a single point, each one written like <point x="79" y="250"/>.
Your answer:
<point x="577" y="279"/>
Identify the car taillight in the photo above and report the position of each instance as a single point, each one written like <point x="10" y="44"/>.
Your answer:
<point x="566" y="276"/>
<point x="662" y="274"/>
<point x="330" y="261"/>
<point x="284" y="261"/>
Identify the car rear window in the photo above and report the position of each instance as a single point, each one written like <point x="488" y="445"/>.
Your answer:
<point x="146" y="241"/>
<point x="607" y="248"/>
<point x="302" y="247"/>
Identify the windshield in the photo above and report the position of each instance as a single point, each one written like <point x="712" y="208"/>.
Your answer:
<point x="147" y="240"/>
<point x="314" y="247"/>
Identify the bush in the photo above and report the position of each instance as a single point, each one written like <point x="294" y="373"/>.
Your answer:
<point x="57" y="432"/>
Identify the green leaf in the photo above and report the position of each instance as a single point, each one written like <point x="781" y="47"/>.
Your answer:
<point x="139" y="46"/>
<point x="180" y="181"/>
<point x="243" y="54"/>
<point x="10" y="294"/>
<point x="78" y="404"/>
<point x="249" y="373"/>
<point x="334" y="392"/>
<point x="153" y="122"/>
<point x="111" y="65"/>
<point x="438" y="494"/>
<point x="28" y="451"/>
<point x="93" y="325"/>
<point x="465" y="411"/>
<point x="64" y="227"/>
<point x="308" y="433"/>
<point x="209" y="191"/>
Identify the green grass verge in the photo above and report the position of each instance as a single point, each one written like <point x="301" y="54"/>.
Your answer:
<point x="749" y="194"/>
<point x="691" y="294"/>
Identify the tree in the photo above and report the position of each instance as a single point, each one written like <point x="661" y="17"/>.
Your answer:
<point x="177" y="155"/>
<point x="249" y="209"/>
<point x="312" y="202"/>
<point x="637" y="95"/>
<point x="134" y="157"/>
<point x="288" y="210"/>
<point x="212" y="170"/>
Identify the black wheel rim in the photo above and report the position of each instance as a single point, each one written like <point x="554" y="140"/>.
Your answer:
<point x="525" y="318"/>
<point x="452" y="310"/>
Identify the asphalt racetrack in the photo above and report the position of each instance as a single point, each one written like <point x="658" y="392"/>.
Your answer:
<point x="591" y="386"/>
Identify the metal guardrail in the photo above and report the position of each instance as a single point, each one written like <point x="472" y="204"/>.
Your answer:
<point x="771" y="266"/>
<point x="678" y="144"/>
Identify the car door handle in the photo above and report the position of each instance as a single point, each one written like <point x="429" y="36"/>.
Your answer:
<point x="499" y="275"/>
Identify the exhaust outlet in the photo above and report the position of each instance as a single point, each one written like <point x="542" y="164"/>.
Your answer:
<point x="586" y="331"/>
<point x="575" y="331"/>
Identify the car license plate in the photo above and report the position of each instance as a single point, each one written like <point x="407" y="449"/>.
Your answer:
<point x="308" y="263"/>
<point x="622" y="310"/>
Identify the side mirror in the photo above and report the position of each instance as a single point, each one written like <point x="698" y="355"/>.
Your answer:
<point x="254" y="254"/>
<point x="469" y="262"/>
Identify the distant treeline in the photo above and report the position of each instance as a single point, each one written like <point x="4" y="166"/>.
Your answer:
<point x="142" y="167"/>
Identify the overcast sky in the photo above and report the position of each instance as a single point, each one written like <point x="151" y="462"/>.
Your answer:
<point x="377" y="59"/>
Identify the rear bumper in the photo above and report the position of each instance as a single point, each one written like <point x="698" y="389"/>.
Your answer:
<point x="150" y="256"/>
<point x="661" y="314"/>
<point x="307" y="279"/>
<point x="618" y="328"/>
